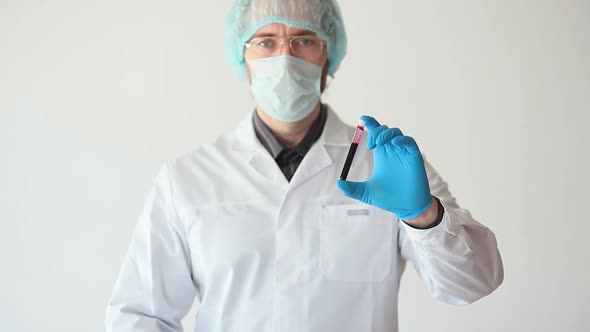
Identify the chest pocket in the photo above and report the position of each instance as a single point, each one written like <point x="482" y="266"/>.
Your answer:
<point x="356" y="242"/>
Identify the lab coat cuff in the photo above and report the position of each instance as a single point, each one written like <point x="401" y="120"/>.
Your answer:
<point x="434" y="235"/>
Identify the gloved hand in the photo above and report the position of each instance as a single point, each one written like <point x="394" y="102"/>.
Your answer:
<point x="399" y="183"/>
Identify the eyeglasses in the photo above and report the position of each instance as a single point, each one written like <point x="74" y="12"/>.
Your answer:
<point x="307" y="48"/>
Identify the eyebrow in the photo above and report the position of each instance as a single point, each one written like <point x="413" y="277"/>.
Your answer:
<point x="299" y="33"/>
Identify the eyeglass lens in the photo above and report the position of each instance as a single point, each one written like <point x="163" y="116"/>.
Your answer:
<point x="305" y="47"/>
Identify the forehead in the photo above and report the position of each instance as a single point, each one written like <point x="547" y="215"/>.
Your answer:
<point x="278" y="29"/>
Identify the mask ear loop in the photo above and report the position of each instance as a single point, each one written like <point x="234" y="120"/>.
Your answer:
<point x="326" y="78"/>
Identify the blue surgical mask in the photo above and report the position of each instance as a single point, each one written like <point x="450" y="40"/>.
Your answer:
<point x="285" y="87"/>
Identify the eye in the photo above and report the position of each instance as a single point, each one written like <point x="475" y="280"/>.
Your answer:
<point x="264" y="43"/>
<point x="304" y="41"/>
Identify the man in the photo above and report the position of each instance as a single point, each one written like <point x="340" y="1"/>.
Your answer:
<point x="256" y="225"/>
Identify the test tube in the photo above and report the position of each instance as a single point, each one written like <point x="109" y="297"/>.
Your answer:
<point x="356" y="138"/>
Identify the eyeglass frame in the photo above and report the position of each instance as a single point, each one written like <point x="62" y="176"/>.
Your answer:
<point x="323" y="42"/>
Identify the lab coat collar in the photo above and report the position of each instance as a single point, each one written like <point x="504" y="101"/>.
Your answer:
<point x="335" y="133"/>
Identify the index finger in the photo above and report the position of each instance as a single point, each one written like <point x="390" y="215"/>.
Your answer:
<point x="370" y="122"/>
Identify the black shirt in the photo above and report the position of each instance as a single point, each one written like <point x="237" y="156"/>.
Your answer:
<point x="289" y="159"/>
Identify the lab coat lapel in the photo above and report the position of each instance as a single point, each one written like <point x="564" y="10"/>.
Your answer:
<point x="254" y="153"/>
<point x="317" y="158"/>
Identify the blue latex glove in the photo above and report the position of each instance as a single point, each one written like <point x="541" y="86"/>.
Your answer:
<point x="399" y="183"/>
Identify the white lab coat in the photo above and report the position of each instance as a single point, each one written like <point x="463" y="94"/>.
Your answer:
<point x="263" y="254"/>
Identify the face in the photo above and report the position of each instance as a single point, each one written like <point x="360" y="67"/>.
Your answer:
<point x="281" y="30"/>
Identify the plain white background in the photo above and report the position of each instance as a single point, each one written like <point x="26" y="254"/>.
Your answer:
<point x="95" y="95"/>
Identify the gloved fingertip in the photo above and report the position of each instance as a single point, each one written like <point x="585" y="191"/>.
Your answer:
<point x="352" y="189"/>
<point x="348" y="188"/>
<point x="341" y="183"/>
<point x="399" y="140"/>
<point x="387" y="135"/>
<point x="378" y="134"/>
<point x="413" y="149"/>
<point x="409" y="144"/>
<point x="343" y="186"/>
<point x="370" y="122"/>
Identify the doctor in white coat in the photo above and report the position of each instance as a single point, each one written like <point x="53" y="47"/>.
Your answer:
<point x="257" y="226"/>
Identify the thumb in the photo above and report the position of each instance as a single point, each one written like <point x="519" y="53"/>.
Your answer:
<point x="356" y="190"/>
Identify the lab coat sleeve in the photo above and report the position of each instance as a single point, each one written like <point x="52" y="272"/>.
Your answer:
<point x="154" y="290"/>
<point x="458" y="259"/>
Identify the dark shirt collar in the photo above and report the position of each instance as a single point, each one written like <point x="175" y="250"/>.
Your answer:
<point x="275" y="148"/>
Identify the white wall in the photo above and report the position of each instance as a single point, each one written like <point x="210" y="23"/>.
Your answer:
<point x="95" y="95"/>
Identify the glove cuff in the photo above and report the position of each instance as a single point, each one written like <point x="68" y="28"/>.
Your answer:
<point x="406" y="215"/>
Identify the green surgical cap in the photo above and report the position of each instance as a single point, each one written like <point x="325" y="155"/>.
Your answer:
<point x="322" y="17"/>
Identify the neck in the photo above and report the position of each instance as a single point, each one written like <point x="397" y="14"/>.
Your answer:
<point x="289" y="134"/>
